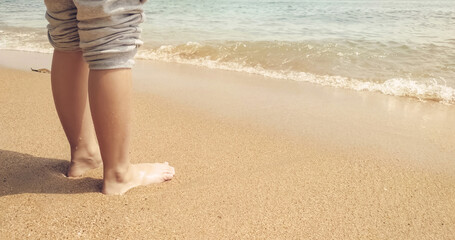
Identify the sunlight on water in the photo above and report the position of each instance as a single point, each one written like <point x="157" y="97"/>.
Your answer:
<point x="403" y="48"/>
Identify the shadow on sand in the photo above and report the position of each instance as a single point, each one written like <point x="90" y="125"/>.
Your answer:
<point x="24" y="173"/>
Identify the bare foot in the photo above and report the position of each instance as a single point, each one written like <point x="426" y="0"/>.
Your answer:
<point x="83" y="160"/>
<point x="137" y="175"/>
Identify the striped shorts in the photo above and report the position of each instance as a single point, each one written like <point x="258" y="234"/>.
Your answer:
<point x="106" y="31"/>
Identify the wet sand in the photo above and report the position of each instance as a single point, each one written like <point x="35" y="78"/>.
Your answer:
<point x="255" y="158"/>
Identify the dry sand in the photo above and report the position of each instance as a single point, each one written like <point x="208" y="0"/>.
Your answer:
<point x="255" y="159"/>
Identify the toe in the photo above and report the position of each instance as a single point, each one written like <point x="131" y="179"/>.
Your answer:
<point x="170" y="170"/>
<point x="168" y="176"/>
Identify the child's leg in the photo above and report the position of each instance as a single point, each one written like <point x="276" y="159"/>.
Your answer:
<point x="110" y="102"/>
<point x="109" y="36"/>
<point x="69" y="77"/>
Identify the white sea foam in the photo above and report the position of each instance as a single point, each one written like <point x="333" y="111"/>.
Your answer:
<point x="195" y="53"/>
<point x="24" y="41"/>
<point x="430" y="90"/>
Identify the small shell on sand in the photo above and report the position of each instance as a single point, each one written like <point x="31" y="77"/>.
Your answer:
<point x="41" y="70"/>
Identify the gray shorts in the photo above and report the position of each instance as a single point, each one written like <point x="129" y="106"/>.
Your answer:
<point x="106" y="31"/>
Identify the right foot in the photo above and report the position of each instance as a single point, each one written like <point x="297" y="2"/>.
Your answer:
<point x="137" y="175"/>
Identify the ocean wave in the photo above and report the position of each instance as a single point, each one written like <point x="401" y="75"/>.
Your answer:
<point x="429" y="89"/>
<point x="337" y="64"/>
<point x="24" y="40"/>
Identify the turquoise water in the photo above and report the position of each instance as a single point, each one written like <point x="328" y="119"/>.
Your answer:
<point x="402" y="48"/>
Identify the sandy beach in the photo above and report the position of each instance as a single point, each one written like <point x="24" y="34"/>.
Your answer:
<point x="255" y="158"/>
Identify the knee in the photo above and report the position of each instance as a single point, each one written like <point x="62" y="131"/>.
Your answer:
<point x="62" y="28"/>
<point x="110" y="33"/>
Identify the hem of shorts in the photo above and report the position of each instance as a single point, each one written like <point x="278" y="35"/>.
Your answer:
<point x="68" y="50"/>
<point x="110" y="67"/>
<point x="72" y="48"/>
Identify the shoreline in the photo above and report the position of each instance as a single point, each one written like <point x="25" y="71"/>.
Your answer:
<point x="338" y="117"/>
<point x="254" y="157"/>
<point x="432" y="90"/>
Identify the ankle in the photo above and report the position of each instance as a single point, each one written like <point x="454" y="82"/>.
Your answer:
<point x="88" y="151"/>
<point x="119" y="174"/>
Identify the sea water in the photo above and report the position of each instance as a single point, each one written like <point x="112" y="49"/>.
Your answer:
<point x="397" y="47"/>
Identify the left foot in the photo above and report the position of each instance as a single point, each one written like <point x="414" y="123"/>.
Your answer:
<point x="83" y="160"/>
